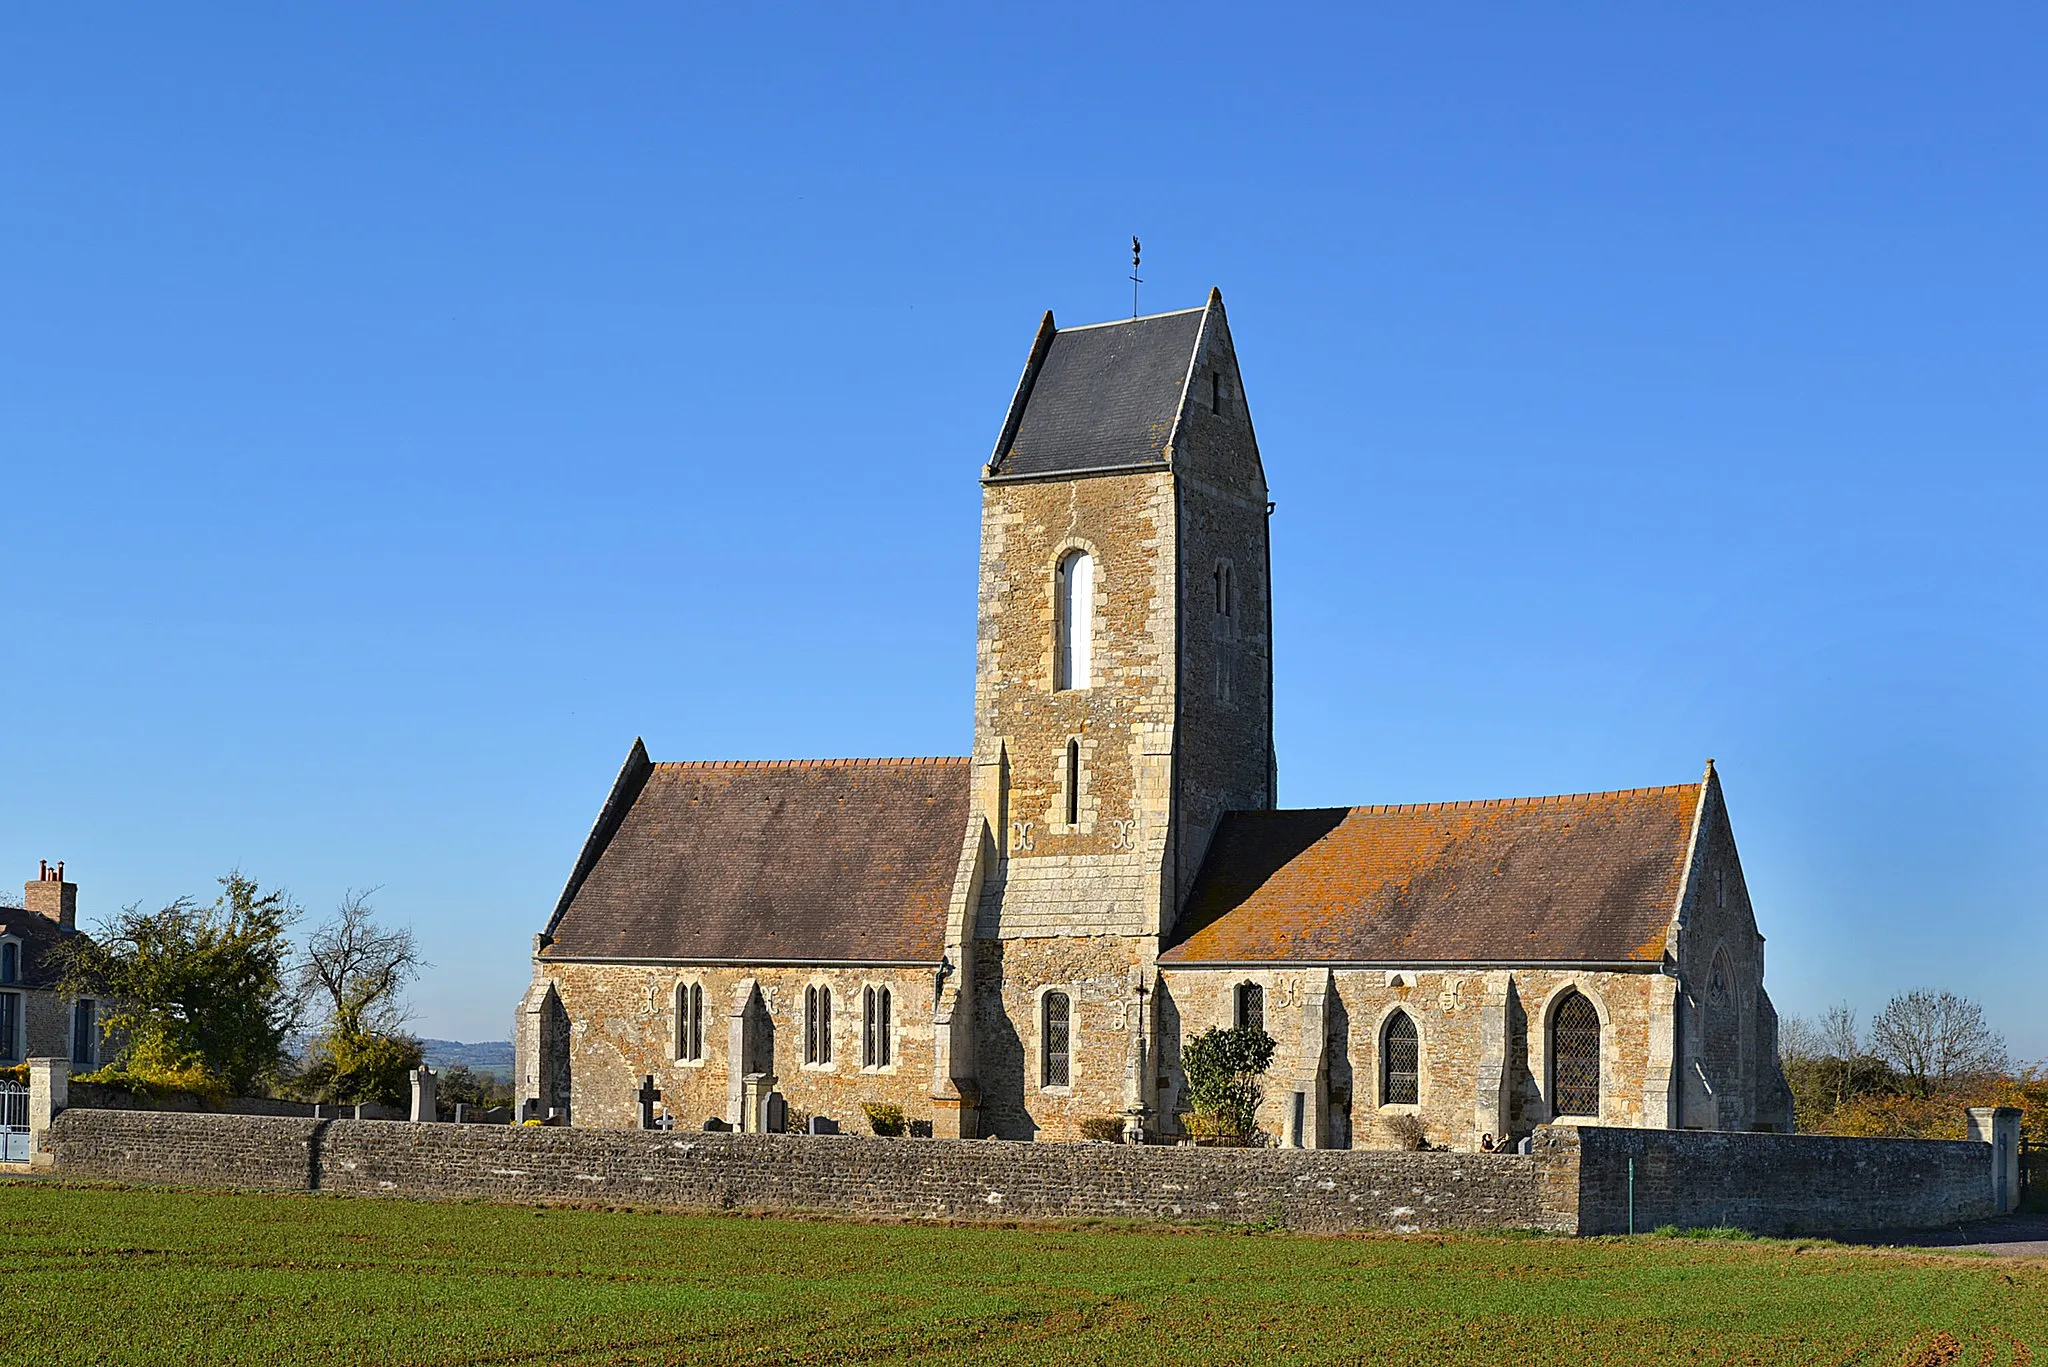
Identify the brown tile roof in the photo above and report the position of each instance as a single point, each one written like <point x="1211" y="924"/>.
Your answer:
<point x="805" y="860"/>
<point x="1589" y="878"/>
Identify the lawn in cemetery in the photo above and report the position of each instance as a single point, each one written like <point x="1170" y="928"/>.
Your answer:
<point x="109" y="1275"/>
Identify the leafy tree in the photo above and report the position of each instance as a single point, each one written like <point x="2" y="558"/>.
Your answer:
<point x="202" y="993"/>
<point x="462" y="1085"/>
<point x="1223" y="1068"/>
<point x="352" y="977"/>
<point x="1935" y="1039"/>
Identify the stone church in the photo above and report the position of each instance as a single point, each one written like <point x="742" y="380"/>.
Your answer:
<point x="1018" y="941"/>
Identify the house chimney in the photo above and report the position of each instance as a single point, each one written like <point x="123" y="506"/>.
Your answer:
<point x="47" y="894"/>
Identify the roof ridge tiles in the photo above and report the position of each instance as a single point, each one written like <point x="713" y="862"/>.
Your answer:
<point x="1481" y="803"/>
<point x="861" y="762"/>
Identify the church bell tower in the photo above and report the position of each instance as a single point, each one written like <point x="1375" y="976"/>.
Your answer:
<point x="1123" y="702"/>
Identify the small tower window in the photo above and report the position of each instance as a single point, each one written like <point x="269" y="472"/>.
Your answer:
<point x="1056" y="1041"/>
<point x="817" y="1024"/>
<point x="1400" y="1062"/>
<point x="1223" y="590"/>
<point x="1073" y="783"/>
<point x="1215" y="391"/>
<point x="1251" y="1006"/>
<point x="875" y="1044"/>
<point x="1076" y="625"/>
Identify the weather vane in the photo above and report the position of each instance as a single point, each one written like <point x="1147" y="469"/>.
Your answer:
<point x="1135" y="281"/>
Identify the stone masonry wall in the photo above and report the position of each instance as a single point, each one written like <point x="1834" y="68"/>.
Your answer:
<point x="624" y="1028"/>
<point x="1576" y="1181"/>
<point x="956" y="1179"/>
<point x="1777" y="1183"/>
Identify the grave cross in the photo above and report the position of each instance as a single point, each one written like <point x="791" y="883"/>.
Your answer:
<point x="648" y="1095"/>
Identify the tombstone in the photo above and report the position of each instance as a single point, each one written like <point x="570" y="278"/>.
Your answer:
<point x="647" y="1096"/>
<point x="716" y="1125"/>
<point x="423" y="1107"/>
<point x="556" y="1116"/>
<point x="461" y="1114"/>
<point x="529" y="1109"/>
<point x="755" y="1089"/>
<point x="823" y="1125"/>
<point x="496" y="1115"/>
<point x="665" y="1122"/>
<point x="778" y="1114"/>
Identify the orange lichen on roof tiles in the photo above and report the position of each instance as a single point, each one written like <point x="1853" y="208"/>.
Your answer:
<point x="1586" y="877"/>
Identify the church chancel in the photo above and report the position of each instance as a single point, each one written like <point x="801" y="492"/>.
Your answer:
<point x="1017" y="941"/>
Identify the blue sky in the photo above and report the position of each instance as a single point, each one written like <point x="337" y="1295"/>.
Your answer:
<point x="402" y="409"/>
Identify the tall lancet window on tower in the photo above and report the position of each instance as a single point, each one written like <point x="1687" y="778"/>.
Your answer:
<point x="1076" y="611"/>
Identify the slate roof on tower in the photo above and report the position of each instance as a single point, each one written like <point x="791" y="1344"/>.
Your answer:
<point x="811" y="861"/>
<point x="1588" y="878"/>
<point x="1099" y="397"/>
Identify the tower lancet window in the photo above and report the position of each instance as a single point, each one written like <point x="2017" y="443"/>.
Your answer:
<point x="1073" y="783"/>
<point x="1076" y="614"/>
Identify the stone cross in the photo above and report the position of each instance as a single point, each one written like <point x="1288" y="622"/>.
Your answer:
<point x="647" y="1096"/>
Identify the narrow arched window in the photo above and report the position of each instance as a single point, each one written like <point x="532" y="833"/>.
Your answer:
<point x="817" y="1024"/>
<point x="1073" y="783"/>
<point x="1056" y="1042"/>
<point x="1223" y="590"/>
<point x="875" y="1027"/>
<point x="10" y="962"/>
<point x="1575" y="1056"/>
<point x="1251" y="1006"/>
<point x="689" y="1022"/>
<point x="1076" y="614"/>
<point x="1400" y="1062"/>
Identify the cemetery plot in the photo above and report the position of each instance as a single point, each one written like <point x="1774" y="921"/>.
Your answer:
<point x="117" y="1276"/>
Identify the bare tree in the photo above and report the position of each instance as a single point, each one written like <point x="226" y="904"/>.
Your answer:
<point x="1841" y="1042"/>
<point x="354" y="971"/>
<point x="1935" y="1038"/>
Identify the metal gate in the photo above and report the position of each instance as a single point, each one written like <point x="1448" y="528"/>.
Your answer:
<point x="13" y="1123"/>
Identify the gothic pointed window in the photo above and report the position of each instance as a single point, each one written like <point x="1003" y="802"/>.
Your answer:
<point x="817" y="1024"/>
<point x="10" y="962"/>
<point x="1575" y="1056"/>
<point x="1251" y="1006"/>
<point x="1400" y="1062"/>
<point x="1056" y="1047"/>
<point x="1075" y="611"/>
<point x="875" y="1027"/>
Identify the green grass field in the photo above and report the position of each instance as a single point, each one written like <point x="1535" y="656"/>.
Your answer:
<point x="97" y="1275"/>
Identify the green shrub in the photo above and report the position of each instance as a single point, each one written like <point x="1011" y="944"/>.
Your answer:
<point x="1108" y="1129"/>
<point x="1223" y="1068"/>
<point x="884" y="1119"/>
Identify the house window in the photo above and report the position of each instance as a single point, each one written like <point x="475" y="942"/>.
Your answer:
<point x="690" y="1022"/>
<point x="85" y="1034"/>
<point x="1575" y="1056"/>
<point x="10" y="962"/>
<point x="817" y="1025"/>
<point x="875" y="1042"/>
<point x="1400" y="1062"/>
<point x="1251" y="1006"/>
<point x="1056" y="1045"/>
<point x="1073" y="783"/>
<point x="1076" y="614"/>
<point x="10" y="1027"/>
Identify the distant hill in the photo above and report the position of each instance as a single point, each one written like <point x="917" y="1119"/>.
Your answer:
<point x="493" y="1056"/>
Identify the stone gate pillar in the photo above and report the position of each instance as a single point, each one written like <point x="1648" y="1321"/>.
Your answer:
<point x="1999" y="1126"/>
<point x="49" y="1092"/>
